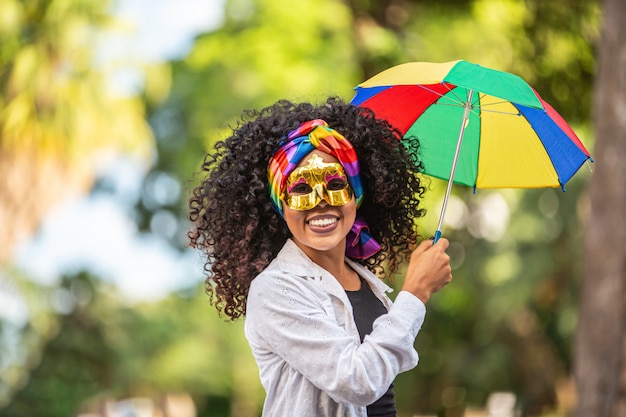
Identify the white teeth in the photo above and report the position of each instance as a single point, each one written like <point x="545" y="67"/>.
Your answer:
<point x="322" y="222"/>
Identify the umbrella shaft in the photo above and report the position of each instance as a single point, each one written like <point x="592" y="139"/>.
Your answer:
<point x="467" y="106"/>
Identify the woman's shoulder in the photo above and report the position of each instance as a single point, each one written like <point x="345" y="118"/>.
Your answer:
<point x="277" y="288"/>
<point x="290" y="265"/>
<point x="291" y="260"/>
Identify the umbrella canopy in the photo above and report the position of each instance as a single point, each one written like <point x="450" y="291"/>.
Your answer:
<point x="475" y="126"/>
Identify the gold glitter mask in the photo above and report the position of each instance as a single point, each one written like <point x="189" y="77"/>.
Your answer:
<point x="308" y="185"/>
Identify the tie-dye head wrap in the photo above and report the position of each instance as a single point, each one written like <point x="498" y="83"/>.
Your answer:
<point x="311" y="135"/>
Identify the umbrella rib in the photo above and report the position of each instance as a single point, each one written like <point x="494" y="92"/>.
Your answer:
<point x="484" y="110"/>
<point x="474" y="111"/>
<point x="451" y="95"/>
<point x="485" y="107"/>
<point x="453" y="104"/>
<point x="423" y="87"/>
<point x="460" y="101"/>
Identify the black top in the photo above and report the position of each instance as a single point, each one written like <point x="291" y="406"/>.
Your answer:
<point x="367" y="308"/>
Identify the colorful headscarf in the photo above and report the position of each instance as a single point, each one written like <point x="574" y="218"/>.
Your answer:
<point x="311" y="135"/>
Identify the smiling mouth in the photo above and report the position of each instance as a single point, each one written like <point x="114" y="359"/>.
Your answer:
<point x="325" y="222"/>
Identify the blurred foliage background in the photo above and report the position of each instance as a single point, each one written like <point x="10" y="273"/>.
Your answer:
<point x="506" y="323"/>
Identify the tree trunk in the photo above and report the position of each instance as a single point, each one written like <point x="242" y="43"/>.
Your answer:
<point x="600" y="350"/>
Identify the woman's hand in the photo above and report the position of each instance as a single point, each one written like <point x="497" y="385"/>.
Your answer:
<point x="429" y="269"/>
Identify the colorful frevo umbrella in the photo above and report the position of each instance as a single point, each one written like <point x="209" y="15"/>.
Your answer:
<point x="475" y="126"/>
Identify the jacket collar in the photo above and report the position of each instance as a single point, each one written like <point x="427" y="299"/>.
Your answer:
<point x="293" y="260"/>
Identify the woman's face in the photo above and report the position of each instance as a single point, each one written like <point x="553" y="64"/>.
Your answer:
<point x="324" y="227"/>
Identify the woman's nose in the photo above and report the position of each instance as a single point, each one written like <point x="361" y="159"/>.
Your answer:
<point x="320" y="190"/>
<point x="323" y="203"/>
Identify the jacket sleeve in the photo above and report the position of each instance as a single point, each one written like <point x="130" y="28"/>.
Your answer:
<point x="285" y="316"/>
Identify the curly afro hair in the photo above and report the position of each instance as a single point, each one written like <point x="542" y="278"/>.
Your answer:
<point x="238" y="231"/>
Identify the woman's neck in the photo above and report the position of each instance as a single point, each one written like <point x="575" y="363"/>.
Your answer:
<point x="334" y="262"/>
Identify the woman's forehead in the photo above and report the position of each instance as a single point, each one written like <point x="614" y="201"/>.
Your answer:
<point x="327" y="158"/>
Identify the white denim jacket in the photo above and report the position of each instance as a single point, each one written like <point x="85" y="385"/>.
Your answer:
<point x="301" y="330"/>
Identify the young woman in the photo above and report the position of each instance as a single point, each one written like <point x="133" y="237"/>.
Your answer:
<point x="300" y="214"/>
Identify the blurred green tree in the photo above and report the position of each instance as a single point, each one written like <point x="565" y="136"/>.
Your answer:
<point x="100" y="349"/>
<point x="58" y="123"/>
<point x="179" y="345"/>
<point x="75" y="364"/>
<point x="58" y="120"/>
